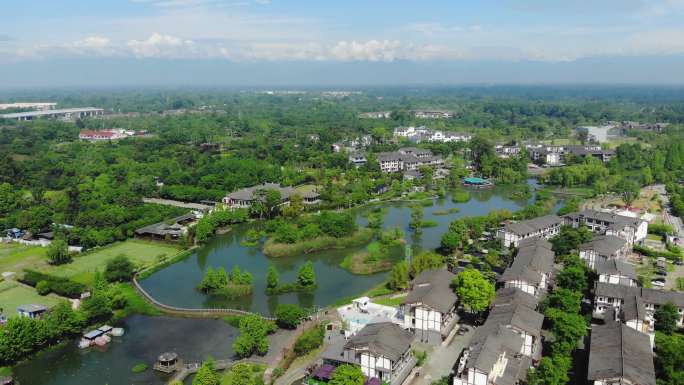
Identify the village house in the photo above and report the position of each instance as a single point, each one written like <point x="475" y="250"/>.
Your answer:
<point x="171" y="229"/>
<point x="382" y="350"/>
<point x="619" y="355"/>
<point x="430" y="307"/>
<point x="632" y="230"/>
<point x="432" y="114"/>
<point x="32" y="311"/>
<point x="547" y="227"/>
<point x="507" y="151"/>
<point x="244" y="198"/>
<point x="603" y="248"/>
<point x="531" y="269"/>
<point x="608" y="296"/>
<point x="104" y="135"/>
<point x="358" y="159"/>
<point x="376" y="115"/>
<point x="407" y="158"/>
<point x="616" y="272"/>
<point x="525" y="321"/>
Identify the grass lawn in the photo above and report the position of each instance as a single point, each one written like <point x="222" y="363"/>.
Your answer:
<point x="394" y="302"/>
<point x="13" y="295"/>
<point x="16" y="257"/>
<point x="83" y="267"/>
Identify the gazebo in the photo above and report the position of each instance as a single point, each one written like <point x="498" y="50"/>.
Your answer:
<point x="167" y="362"/>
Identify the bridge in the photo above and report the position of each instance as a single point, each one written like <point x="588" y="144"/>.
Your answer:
<point x="191" y="368"/>
<point x="187" y="312"/>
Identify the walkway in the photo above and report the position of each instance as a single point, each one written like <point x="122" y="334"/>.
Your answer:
<point x="185" y="205"/>
<point x="192" y="368"/>
<point x="185" y="312"/>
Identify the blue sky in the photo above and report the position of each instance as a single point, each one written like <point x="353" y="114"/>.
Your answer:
<point x="394" y="41"/>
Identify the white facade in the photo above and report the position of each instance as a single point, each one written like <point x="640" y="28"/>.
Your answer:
<point x="617" y="279"/>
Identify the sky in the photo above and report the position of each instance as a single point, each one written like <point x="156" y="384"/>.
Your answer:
<point x="46" y="43"/>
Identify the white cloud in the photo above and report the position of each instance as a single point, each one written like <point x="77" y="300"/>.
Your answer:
<point x="371" y="50"/>
<point x="158" y="45"/>
<point x="92" y="42"/>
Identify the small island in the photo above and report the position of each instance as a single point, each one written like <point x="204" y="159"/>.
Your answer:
<point x="218" y="282"/>
<point x="377" y="257"/>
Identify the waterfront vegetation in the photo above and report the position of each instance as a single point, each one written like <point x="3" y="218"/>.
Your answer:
<point x="233" y="285"/>
<point x="378" y="255"/>
<point x="306" y="281"/>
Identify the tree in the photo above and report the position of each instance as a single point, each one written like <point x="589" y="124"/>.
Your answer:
<point x="552" y="370"/>
<point x="213" y="280"/>
<point x="666" y="317"/>
<point x="564" y="299"/>
<point x="97" y="307"/>
<point x="309" y="340"/>
<point x="206" y="375"/>
<point x="119" y="269"/>
<point x="573" y="276"/>
<point x="416" y="218"/>
<point x="272" y="277"/>
<point x="241" y="374"/>
<point x="473" y="290"/>
<point x="569" y="239"/>
<point x="204" y="229"/>
<point x="568" y="328"/>
<point x="289" y="316"/>
<point x="398" y="276"/>
<point x="347" y="375"/>
<point x="306" y="277"/>
<point x="253" y="336"/>
<point x="628" y="190"/>
<point x="425" y="261"/>
<point x="58" y="252"/>
<point x="272" y="200"/>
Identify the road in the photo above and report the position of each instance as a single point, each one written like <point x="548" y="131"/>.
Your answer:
<point x="441" y="359"/>
<point x="668" y="218"/>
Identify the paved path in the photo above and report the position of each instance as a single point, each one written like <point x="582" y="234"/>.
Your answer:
<point x="441" y="359"/>
<point x="185" y="205"/>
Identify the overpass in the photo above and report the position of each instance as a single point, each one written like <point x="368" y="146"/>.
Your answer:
<point x="65" y="113"/>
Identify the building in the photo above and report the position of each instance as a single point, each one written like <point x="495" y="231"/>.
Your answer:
<point x="432" y="114"/>
<point x="547" y="227"/>
<point x="430" y="307"/>
<point x="616" y="272"/>
<point x="104" y="135"/>
<point x="447" y="136"/>
<point x="609" y="296"/>
<point x="382" y="350"/>
<point x="67" y="113"/>
<point x="407" y="158"/>
<point x="632" y="230"/>
<point x="244" y="198"/>
<point x="376" y="115"/>
<point x="507" y="151"/>
<point x="358" y="159"/>
<point x="598" y="134"/>
<point x="31" y="311"/>
<point x="620" y="355"/>
<point x="171" y="229"/>
<point x="424" y="134"/>
<point x="603" y="248"/>
<point x="531" y="270"/>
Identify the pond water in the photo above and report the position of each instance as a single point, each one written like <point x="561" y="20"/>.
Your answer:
<point x="175" y="285"/>
<point x="145" y="338"/>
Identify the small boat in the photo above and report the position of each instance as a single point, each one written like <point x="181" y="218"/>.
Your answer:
<point x="84" y="343"/>
<point x="102" y="340"/>
<point x="117" y="332"/>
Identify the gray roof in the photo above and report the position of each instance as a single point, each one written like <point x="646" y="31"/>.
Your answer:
<point x="610" y="290"/>
<point x="382" y="339"/>
<point x="164" y="228"/>
<point x="515" y="296"/>
<point x="610" y="218"/>
<point x="31" y="308"/>
<point x="517" y="316"/>
<point x="528" y="265"/>
<point x="489" y="341"/>
<point x="249" y="193"/>
<point x="654" y="296"/>
<point x="617" y="350"/>
<point x="633" y="308"/>
<point x="389" y="156"/>
<point x="433" y="289"/>
<point x="605" y="245"/>
<point x="615" y="267"/>
<point x="530" y="226"/>
<point x="538" y="241"/>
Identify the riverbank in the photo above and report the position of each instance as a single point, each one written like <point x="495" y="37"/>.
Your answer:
<point x="274" y="249"/>
<point x="362" y="263"/>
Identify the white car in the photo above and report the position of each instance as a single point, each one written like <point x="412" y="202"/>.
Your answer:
<point x="658" y="284"/>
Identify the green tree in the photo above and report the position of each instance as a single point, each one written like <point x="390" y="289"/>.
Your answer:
<point x="473" y="290"/>
<point x="289" y="316"/>
<point x="213" y="280"/>
<point x="272" y="277"/>
<point x="569" y="239"/>
<point x="425" y="261"/>
<point x="306" y="277"/>
<point x="347" y="375"/>
<point x="253" y="336"/>
<point x="58" y="252"/>
<point x="573" y="276"/>
<point x="568" y="328"/>
<point x="564" y="299"/>
<point x="552" y="370"/>
<point x="398" y="276"/>
<point x="272" y="200"/>
<point x="241" y="374"/>
<point x="97" y="307"/>
<point x="204" y="230"/>
<point x="206" y="375"/>
<point x="119" y="269"/>
<point x="628" y="190"/>
<point x="666" y="317"/>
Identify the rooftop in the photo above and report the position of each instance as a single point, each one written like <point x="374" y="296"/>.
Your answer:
<point x="32" y="114"/>
<point x="433" y="289"/>
<point x="605" y="244"/>
<point x="384" y="338"/>
<point x="617" y="350"/>
<point x="533" y="225"/>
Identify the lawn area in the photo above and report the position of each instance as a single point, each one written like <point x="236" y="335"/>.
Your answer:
<point x="142" y="253"/>
<point x="16" y="257"/>
<point x="390" y="301"/>
<point x="13" y="294"/>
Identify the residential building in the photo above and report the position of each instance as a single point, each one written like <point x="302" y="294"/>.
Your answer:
<point x="245" y="197"/>
<point x="531" y="270"/>
<point x="38" y="106"/>
<point x="171" y="229"/>
<point x="104" y="135"/>
<point x="432" y="114"/>
<point x="620" y="355"/>
<point x="507" y="151"/>
<point x="358" y="159"/>
<point x="430" y="307"/>
<point x="382" y="350"/>
<point x="608" y="296"/>
<point x="616" y="272"/>
<point x="522" y="319"/>
<point x="376" y="115"/>
<point x="31" y="311"/>
<point x="547" y="227"/>
<point x="632" y="230"/>
<point x="407" y="158"/>
<point x="603" y="248"/>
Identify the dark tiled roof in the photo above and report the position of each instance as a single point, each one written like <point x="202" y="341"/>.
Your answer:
<point x="617" y="350"/>
<point x="616" y="267"/>
<point x="249" y="193"/>
<point x="383" y="338"/>
<point x="658" y="297"/>
<point x="633" y="308"/>
<point x="533" y="225"/>
<point x="517" y="316"/>
<point x="610" y="218"/>
<point x="433" y="288"/>
<point x="489" y="342"/>
<point x="515" y="296"/>
<point x="530" y="262"/>
<point x="606" y="245"/>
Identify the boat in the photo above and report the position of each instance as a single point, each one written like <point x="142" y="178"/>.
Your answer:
<point x="84" y="343"/>
<point x="117" y="332"/>
<point x="476" y="182"/>
<point x="102" y="340"/>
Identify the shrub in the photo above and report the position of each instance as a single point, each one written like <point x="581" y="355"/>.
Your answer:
<point x="289" y="316"/>
<point x="139" y="368"/>
<point x="43" y="288"/>
<point x="58" y="285"/>
<point x="309" y="340"/>
<point x="119" y="269"/>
